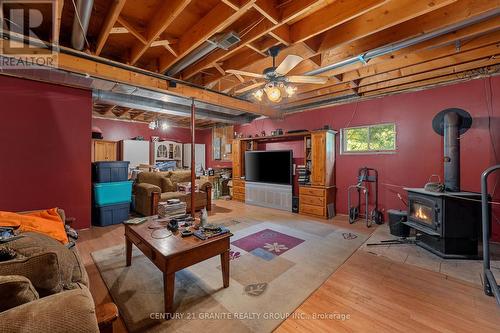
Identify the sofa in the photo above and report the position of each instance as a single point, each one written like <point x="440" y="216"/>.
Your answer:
<point x="45" y="288"/>
<point x="151" y="188"/>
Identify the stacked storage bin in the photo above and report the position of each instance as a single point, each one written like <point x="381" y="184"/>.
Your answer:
<point x="112" y="193"/>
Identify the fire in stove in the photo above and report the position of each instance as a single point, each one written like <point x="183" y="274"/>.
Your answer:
<point x="420" y="214"/>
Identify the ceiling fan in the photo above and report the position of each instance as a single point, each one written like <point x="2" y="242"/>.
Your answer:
<point x="276" y="82"/>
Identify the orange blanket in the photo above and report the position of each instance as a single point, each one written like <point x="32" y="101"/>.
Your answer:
<point x="44" y="221"/>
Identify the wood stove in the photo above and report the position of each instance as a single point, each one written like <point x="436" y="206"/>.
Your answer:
<point x="447" y="223"/>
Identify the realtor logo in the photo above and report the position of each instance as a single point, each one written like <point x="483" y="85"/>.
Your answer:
<point x="28" y="34"/>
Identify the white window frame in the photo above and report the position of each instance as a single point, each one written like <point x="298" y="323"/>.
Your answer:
<point x="365" y="152"/>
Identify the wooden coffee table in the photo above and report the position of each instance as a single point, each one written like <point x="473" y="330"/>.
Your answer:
<point x="174" y="253"/>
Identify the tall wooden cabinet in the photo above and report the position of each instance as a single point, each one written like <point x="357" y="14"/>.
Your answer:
<point x="315" y="199"/>
<point x="318" y="198"/>
<point x="103" y="150"/>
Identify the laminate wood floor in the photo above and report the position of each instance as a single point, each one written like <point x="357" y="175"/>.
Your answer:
<point x="368" y="293"/>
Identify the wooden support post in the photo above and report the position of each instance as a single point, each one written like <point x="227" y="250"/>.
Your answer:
<point x="193" y="175"/>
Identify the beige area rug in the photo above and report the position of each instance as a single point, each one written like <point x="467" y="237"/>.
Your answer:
<point x="274" y="267"/>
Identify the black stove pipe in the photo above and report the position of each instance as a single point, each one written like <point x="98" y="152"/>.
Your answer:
<point x="451" y="152"/>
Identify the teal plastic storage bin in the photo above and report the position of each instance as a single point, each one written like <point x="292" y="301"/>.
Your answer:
<point x="112" y="193"/>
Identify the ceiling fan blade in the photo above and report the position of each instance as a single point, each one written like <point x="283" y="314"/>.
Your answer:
<point x="307" y="79"/>
<point x="288" y="64"/>
<point x="235" y="71"/>
<point x="250" y="87"/>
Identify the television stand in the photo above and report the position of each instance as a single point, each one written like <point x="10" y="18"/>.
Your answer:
<point x="269" y="195"/>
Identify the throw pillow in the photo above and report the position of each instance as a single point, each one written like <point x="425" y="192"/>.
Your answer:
<point x="47" y="222"/>
<point x="15" y="290"/>
<point x="167" y="185"/>
<point x="41" y="269"/>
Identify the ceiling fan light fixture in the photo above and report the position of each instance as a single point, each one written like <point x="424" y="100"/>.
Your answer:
<point x="290" y="91"/>
<point x="258" y="94"/>
<point x="274" y="94"/>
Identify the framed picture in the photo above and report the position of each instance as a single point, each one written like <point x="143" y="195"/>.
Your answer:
<point x="217" y="148"/>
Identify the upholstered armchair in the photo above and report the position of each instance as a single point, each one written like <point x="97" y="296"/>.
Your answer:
<point x="154" y="187"/>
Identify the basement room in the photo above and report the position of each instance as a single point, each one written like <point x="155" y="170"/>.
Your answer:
<point x="250" y="166"/>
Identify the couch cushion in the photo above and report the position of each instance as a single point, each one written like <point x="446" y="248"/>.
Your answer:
<point x="173" y="195"/>
<point x="71" y="268"/>
<point x="167" y="185"/>
<point x="180" y="176"/>
<point x="15" y="290"/>
<point x="41" y="269"/>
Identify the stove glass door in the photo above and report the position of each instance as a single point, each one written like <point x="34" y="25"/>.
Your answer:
<point x="421" y="212"/>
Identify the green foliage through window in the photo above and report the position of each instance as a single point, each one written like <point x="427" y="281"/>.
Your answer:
<point x="372" y="138"/>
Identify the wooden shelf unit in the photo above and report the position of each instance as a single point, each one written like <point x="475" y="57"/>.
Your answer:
<point x="315" y="199"/>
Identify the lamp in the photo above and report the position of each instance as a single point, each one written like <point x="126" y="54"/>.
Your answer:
<point x="164" y="125"/>
<point x="258" y="94"/>
<point x="273" y="94"/>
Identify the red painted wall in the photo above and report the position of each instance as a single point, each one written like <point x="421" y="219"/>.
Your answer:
<point x="419" y="149"/>
<point x="45" y="148"/>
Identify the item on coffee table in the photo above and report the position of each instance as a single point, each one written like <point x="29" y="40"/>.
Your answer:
<point x="170" y="210"/>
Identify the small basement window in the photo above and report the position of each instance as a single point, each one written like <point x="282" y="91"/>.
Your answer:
<point x="379" y="138"/>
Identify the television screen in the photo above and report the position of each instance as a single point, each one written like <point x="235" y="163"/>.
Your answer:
<point x="273" y="166"/>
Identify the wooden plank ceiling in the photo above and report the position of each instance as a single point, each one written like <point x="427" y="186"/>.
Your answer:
<point x="156" y="34"/>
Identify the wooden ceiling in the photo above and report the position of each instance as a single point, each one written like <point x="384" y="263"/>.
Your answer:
<point x="156" y="34"/>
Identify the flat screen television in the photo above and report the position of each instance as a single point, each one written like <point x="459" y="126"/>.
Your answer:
<point x="273" y="166"/>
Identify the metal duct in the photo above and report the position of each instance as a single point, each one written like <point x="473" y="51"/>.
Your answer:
<point x="406" y="43"/>
<point x="81" y="23"/>
<point x="191" y="58"/>
<point x="221" y="41"/>
<point x="154" y="105"/>
<point x="451" y="152"/>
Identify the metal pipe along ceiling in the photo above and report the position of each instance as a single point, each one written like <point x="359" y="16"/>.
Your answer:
<point x="81" y="23"/>
<point x="406" y="43"/>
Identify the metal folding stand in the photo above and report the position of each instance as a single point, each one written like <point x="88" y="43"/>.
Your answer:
<point x="491" y="287"/>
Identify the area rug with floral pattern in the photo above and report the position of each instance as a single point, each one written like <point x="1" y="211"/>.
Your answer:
<point x="274" y="267"/>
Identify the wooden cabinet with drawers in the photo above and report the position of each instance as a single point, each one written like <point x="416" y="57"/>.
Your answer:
<point x="315" y="201"/>
<point x="239" y="190"/>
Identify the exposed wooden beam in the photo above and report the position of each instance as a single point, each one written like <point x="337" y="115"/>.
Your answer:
<point x="421" y="53"/>
<point x="448" y="15"/>
<point x="268" y="9"/>
<point x="423" y="56"/>
<point x="250" y="46"/>
<point x="282" y="34"/>
<point x="388" y="15"/>
<point x="432" y="81"/>
<point x="132" y="30"/>
<point x="217" y="19"/>
<point x="118" y="30"/>
<point x="57" y="29"/>
<point x="97" y="69"/>
<point x="454" y="68"/>
<point x="109" y="22"/>
<point x="168" y="12"/>
<point x="289" y="12"/>
<point x="331" y="16"/>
